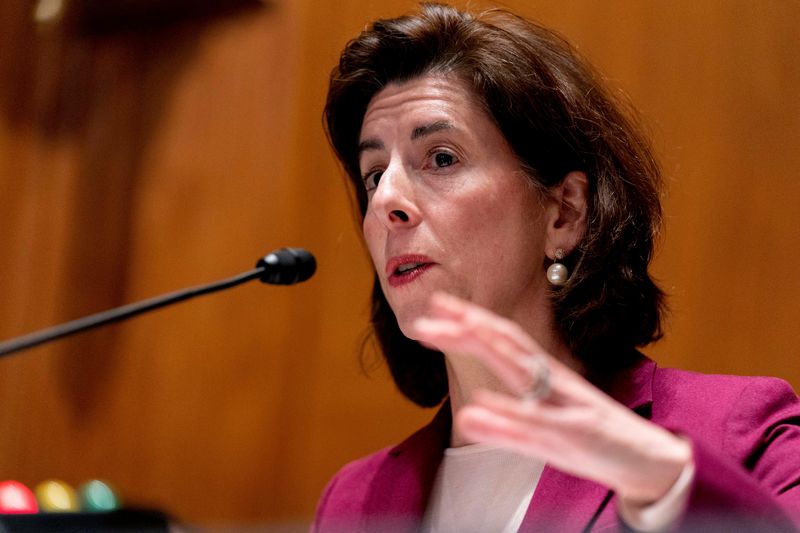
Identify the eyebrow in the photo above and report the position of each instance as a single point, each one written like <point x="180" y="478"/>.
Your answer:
<point x="428" y="129"/>
<point x="369" y="144"/>
<point x="417" y="133"/>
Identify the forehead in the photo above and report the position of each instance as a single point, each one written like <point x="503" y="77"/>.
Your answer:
<point x="422" y="100"/>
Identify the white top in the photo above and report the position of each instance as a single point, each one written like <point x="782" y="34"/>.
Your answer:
<point x="481" y="488"/>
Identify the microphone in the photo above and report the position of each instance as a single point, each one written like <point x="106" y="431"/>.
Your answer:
<point x="285" y="266"/>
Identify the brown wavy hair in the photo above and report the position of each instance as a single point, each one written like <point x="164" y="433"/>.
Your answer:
<point x="558" y="117"/>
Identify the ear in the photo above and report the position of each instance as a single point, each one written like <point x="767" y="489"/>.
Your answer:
<point x="566" y="213"/>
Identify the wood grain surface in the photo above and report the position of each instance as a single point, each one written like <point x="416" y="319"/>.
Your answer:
<point x="159" y="156"/>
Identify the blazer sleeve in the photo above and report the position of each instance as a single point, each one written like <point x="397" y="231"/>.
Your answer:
<point x="759" y="490"/>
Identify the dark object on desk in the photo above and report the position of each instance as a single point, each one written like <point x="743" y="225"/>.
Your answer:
<point x="122" y="520"/>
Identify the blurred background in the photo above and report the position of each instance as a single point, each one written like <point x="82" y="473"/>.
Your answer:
<point x="150" y="145"/>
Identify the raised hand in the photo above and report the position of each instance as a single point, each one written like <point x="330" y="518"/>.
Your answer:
<point x="574" y="426"/>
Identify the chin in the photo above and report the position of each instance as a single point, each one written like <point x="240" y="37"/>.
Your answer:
<point x="407" y="307"/>
<point x="406" y="315"/>
<point x="404" y="323"/>
<point x="405" y="329"/>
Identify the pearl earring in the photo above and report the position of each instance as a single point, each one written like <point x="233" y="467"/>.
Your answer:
<point x="557" y="273"/>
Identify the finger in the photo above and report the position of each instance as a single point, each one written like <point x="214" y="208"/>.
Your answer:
<point x="499" y="355"/>
<point x="490" y="326"/>
<point x="522" y="410"/>
<point x="557" y="435"/>
<point x="519" y="370"/>
<point x="614" y="449"/>
<point x="504" y="347"/>
<point x="482" y="425"/>
<point x="443" y="305"/>
<point x="594" y="431"/>
<point x="551" y="447"/>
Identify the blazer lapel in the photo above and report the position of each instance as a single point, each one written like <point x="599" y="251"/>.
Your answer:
<point x="565" y="503"/>
<point x="561" y="502"/>
<point x="402" y="484"/>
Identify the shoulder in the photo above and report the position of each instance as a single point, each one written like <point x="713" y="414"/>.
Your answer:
<point x="745" y="433"/>
<point x="345" y="495"/>
<point x="724" y="410"/>
<point x="392" y="482"/>
<point x="355" y="478"/>
<point x="703" y="392"/>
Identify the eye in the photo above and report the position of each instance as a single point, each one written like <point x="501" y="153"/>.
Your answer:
<point x="371" y="179"/>
<point x="442" y="159"/>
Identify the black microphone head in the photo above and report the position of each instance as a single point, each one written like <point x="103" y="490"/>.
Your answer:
<point x="287" y="266"/>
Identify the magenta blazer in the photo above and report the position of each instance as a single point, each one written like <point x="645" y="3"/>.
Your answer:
<point x="746" y="438"/>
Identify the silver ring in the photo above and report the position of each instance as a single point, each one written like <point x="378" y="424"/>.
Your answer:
<point x="539" y="373"/>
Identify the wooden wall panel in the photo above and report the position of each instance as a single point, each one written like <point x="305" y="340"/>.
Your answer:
<point x="713" y="81"/>
<point x="150" y="159"/>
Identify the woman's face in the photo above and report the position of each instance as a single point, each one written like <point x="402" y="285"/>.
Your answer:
<point x="449" y="207"/>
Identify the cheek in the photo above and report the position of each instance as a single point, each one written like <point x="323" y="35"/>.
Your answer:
<point x="371" y="229"/>
<point x="474" y="221"/>
<point x="507" y="229"/>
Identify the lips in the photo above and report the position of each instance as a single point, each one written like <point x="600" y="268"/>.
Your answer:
<point x="406" y="268"/>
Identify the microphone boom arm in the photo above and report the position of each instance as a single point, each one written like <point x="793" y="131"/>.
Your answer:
<point x="284" y="267"/>
<point x="120" y="313"/>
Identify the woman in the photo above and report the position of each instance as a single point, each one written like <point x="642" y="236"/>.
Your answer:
<point x="510" y="209"/>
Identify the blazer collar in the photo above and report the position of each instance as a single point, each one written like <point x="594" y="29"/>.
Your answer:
<point x="633" y="386"/>
<point x="403" y="482"/>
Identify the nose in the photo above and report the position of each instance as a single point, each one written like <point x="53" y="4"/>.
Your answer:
<point x="393" y="201"/>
